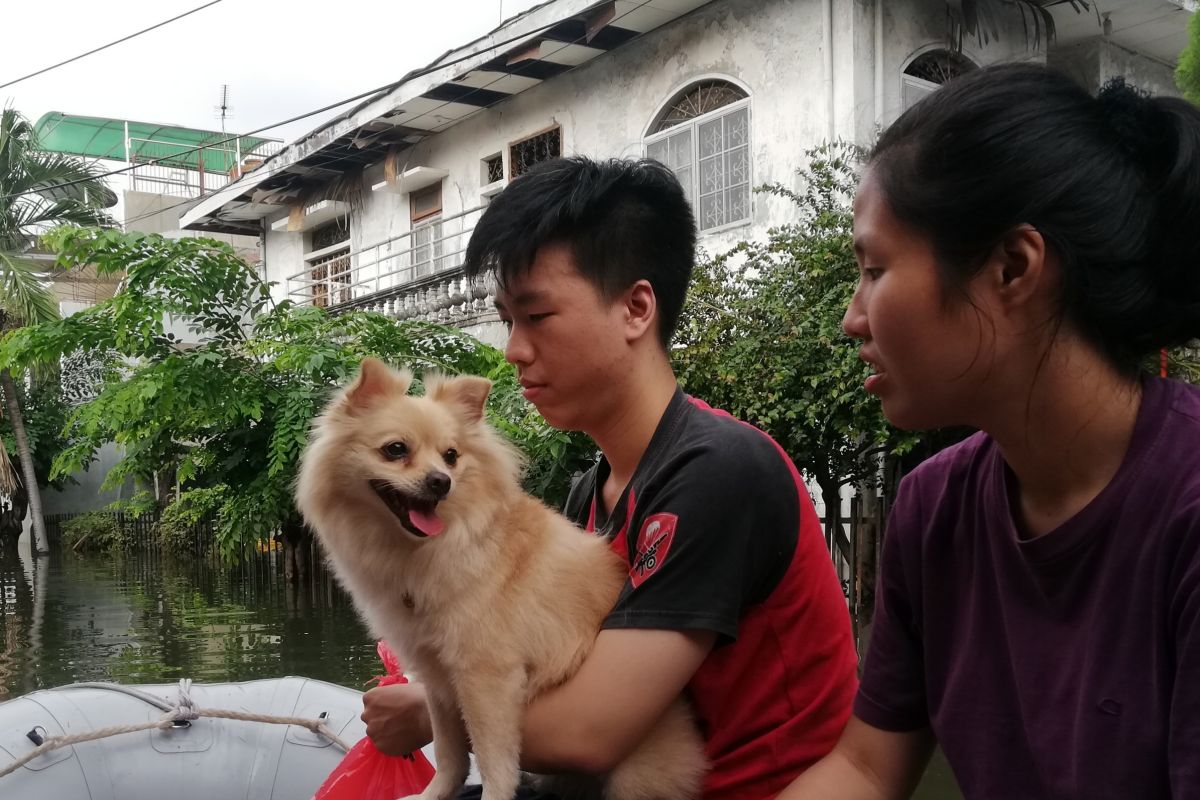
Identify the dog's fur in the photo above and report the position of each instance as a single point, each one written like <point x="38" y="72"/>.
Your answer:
<point x="501" y="604"/>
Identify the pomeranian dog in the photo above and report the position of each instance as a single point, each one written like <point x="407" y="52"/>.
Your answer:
<point x="488" y="595"/>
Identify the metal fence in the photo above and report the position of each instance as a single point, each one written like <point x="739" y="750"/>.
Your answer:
<point x="336" y="275"/>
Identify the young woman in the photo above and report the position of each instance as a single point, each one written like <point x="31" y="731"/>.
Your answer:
<point x="1024" y="247"/>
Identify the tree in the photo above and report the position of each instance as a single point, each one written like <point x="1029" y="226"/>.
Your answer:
<point x="30" y="203"/>
<point x="43" y="413"/>
<point x="761" y="336"/>
<point x="232" y="408"/>
<point x="980" y="19"/>
<point x="1187" y="72"/>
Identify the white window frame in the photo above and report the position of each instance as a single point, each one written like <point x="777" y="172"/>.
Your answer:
<point x="345" y="276"/>
<point x="694" y="189"/>
<point x="920" y="84"/>
<point x="430" y="249"/>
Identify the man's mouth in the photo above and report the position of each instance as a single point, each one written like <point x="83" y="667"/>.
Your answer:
<point x="531" y="389"/>
<point x="418" y="516"/>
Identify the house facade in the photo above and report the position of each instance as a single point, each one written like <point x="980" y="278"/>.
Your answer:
<point x="374" y="209"/>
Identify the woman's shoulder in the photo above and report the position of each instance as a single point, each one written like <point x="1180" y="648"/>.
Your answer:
<point x="960" y="463"/>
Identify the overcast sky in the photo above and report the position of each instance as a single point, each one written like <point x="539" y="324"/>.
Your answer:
<point x="279" y="57"/>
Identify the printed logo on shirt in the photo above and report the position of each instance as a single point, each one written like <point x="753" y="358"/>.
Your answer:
<point x="658" y="531"/>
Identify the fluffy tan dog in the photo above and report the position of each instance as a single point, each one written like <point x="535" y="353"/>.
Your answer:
<point x="489" y="596"/>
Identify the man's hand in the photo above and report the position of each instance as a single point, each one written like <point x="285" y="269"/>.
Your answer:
<point x="397" y="718"/>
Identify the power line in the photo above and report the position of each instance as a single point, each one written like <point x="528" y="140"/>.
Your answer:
<point x="386" y="88"/>
<point x="106" y="46"/>
<point x="417" y="74"/>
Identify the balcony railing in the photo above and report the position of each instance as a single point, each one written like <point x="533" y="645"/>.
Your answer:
<point x="176" y="175"/>
<point x="417" y="274"/>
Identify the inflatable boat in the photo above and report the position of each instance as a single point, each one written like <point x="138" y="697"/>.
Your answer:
<point x="274" y="739"/>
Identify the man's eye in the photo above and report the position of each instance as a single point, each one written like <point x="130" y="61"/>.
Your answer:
<point x="538" y="317"/>
<point x="872" y="273"/>
<point x="394" y="451"/>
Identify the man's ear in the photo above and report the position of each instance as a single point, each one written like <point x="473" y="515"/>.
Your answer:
<point x="467" y="394"/>
<point x="375" y="379"/>
<point x="641" y="310"/>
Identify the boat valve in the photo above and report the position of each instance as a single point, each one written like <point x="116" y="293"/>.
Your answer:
<point x="37" y="735"/>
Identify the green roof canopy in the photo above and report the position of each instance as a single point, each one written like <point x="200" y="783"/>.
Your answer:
<point x="100" y="137"/>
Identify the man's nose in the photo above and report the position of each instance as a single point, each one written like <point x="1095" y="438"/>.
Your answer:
<point x="517" y="350"/>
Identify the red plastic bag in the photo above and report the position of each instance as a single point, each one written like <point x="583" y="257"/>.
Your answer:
<point x="367" y="774"/>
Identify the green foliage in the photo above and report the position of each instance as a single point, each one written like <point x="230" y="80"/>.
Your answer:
<point x="762" y="338"/>
<point x="1183" y="363"/>
<point x="95" y="531"/>
<point x="141" y="504"/>
<point x="1187" y="71"/>
<point x="179" y="521"/>
<point x="24" y="212"/>
<point x="45" y="414"/>
<point x="232" y="410"/>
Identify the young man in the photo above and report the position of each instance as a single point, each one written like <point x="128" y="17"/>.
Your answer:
<point x="731" y="596"/>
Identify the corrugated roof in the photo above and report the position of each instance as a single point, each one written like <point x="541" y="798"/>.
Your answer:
<point x="103" y="137"/>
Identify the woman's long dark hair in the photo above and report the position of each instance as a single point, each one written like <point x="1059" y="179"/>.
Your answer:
<point x="1111" y="182"/>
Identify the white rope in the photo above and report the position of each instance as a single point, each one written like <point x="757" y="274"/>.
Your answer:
<point x="184" y="710"/>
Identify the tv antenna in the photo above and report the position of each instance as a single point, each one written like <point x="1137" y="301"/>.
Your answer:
<point x="224" y="110"/>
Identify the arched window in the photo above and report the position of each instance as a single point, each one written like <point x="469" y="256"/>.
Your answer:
<point x="930" y="70"/>
<point x="703" y="135"/>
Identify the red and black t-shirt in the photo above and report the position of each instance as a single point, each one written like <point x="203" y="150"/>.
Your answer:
<point x="721" y="535"/>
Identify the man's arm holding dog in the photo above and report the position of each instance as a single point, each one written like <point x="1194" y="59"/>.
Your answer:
<point x="588" y="724"/>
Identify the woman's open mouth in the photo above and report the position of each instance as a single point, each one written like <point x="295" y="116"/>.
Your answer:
<point x="418" y="516"/>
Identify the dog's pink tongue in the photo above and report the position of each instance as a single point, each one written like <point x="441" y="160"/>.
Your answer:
<point x="427" y="522"/>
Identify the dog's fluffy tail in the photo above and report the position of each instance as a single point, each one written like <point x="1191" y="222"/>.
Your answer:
<point x="668" y="765"/>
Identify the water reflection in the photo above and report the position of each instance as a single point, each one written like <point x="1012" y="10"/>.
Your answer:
<point x="145" y="619"/>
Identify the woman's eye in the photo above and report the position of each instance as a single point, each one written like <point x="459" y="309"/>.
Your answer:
<point x="394" y="451"/>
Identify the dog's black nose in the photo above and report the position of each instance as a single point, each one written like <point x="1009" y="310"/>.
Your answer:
<point x="438" y="483"/>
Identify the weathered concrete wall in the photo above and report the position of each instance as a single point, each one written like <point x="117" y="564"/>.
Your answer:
<point x="772" y="48"/>
<point x="1092" y="63"/>
<point x="915" y="27"/>
<point x="283" y="255"/>
<point x="87" y="495"/>
<point x="147" y="212"/>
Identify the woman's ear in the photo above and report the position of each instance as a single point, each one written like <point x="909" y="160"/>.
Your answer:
<point x="1019" y="267"/>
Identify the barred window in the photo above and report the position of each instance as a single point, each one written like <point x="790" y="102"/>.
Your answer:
<point x="493" y="169"/>
<point x="524" y="154"/>
<point x="928" y="71"/>
<point x="330" y="271"/>
<point x="704" y="137"/>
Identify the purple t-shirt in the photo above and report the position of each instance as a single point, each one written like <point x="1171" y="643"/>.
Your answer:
<point x="1065" y="666"/>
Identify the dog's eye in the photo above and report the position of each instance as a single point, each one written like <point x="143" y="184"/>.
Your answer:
<point x="450" y="456"/>
<point x="394" y="451"/>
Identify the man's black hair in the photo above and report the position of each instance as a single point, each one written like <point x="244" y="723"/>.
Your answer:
<point x="624" y="221"/>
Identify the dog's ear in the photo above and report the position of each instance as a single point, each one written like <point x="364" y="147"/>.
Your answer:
<point x="376" y="379"/>
<point x="466" y="393"/>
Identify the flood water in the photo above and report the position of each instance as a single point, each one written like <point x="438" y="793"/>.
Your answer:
<point x="148" y="619"/>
